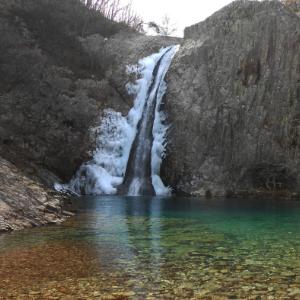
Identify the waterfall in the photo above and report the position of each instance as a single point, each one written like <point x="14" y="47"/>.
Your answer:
<point x="130" y="148"/>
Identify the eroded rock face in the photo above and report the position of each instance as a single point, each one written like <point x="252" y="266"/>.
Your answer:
<point x="234" y="102"/>
<point x="24" y="202"/>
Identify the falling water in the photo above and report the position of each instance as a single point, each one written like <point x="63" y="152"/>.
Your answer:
<point x="138" y="177"/>
<point x="130" y="148"/>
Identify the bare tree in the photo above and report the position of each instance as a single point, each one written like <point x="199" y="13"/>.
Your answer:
<point x="129" y="17"/>
<point x="113" y="10"/>
<point x="154" y="26"/>
<point x="165" y="28"/>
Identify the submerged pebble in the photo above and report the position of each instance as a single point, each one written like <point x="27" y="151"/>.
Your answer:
<point x="113" y="256"/>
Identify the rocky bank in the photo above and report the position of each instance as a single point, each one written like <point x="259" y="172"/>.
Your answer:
<point x="26" y="203"/>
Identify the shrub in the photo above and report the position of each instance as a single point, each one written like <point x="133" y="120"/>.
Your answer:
<point x="56" y="26"/>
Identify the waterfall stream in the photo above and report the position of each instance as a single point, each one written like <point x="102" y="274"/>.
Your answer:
<point x="130" y="148"/>
<point x="138" y="177"/>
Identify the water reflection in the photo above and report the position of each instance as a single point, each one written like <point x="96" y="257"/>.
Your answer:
<point x="133" y="227"/>
<point x="160" y="248"/>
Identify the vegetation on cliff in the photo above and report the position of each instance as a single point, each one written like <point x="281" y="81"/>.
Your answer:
<point x="64" y="64"/>
<point x="52" y="91"/>
<point x="49" y="76"/>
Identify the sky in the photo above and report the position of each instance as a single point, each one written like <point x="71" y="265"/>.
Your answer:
<point x="181" y="12"/>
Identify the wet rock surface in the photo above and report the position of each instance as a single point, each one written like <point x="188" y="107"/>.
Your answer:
<point x="233" y="102"/>
<point x="26" y="203"/>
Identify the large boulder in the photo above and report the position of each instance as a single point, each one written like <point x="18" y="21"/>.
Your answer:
<point x="234" y="103"/>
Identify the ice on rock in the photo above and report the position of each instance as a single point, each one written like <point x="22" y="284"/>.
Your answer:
<point x="116" y="134"/>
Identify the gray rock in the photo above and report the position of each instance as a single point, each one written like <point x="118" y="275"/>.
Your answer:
<point x="26" y="203"/>
<point x="234" y="103"/>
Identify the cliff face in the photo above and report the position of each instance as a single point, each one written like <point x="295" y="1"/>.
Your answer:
<point x="234" y="102"/>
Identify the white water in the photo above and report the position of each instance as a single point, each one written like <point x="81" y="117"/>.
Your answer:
<point x="116" y="134"/>
<point x="159" y="132"/>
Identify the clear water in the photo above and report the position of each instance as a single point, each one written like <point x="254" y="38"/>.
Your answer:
<point x="158" y="248"/>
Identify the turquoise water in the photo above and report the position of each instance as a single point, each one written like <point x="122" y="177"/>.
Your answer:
<point x="159" y="248"/>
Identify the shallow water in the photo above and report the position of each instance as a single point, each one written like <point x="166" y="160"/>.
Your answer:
<point x="158" y="248"/>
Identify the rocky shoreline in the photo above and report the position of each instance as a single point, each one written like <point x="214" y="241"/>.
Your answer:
<point x="26" y="203"/>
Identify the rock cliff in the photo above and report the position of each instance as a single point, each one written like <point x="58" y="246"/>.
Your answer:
<point x="234" y="103"/>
